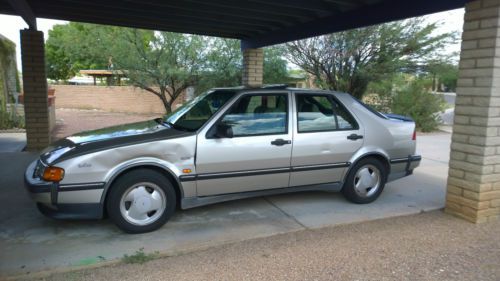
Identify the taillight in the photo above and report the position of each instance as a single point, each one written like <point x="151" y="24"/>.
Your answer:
<point x="414" y="134"/>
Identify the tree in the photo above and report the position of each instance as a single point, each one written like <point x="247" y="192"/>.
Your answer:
<point x="348" y="61"/>
<point x="444" y="73"/>
<point x="75" y="46"/>
<point x="164" y="64"/>
<point x="223" y="64"/>
<point x="275" y="66"/>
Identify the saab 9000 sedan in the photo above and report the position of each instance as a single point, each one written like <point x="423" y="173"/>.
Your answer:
<point x="224" y="145"/>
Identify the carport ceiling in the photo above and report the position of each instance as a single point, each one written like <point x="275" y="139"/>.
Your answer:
<point x="256" y="22"/>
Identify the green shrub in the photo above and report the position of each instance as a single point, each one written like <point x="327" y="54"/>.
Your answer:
<point x="415" y="101"/>
<point x="139" y="257"/>
<point x="10" y="120"/>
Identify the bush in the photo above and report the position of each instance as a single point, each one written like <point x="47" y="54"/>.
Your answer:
<point x="415" y="101"/>
<point x="10" y="120"/>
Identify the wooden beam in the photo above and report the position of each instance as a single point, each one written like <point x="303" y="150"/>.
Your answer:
<point x="384" y="11"/>
<point x="24" y="10"/>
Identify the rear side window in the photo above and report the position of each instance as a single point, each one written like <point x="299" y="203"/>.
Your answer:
<point x="253" y="115"/>
<point x="318" y="113"/>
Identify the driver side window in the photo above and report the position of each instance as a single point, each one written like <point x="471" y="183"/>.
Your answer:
<point x="260" y="114"/>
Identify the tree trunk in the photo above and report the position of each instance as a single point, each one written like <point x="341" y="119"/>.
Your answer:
<point x="166" y="104"/>
<point x="434" y="83"/>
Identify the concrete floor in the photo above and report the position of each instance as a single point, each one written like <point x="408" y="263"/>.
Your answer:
<point x="12" y="142"/>
<point x="29" y="242"/>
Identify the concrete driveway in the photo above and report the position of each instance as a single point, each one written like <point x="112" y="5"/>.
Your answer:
<point x="29" y="242"/>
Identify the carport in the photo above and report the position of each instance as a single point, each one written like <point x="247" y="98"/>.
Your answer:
<point x="473" y="190"/>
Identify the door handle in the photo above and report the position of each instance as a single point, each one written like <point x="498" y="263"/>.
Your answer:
<point x="354" y="137"/>
<point x="280" y="142"/>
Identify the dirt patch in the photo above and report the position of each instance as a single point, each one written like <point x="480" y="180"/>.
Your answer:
<point x="429" y="246"/>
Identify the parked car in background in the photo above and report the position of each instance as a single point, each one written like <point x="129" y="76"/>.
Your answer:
<point x="226" y="144"/>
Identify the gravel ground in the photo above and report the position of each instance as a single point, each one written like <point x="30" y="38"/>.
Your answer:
<point x="428" y="246"/>
<point x="70" y="121"/>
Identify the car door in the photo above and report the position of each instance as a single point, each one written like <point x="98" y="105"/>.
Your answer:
<point x="323" y="139"/>
<point x="258" y="155"/>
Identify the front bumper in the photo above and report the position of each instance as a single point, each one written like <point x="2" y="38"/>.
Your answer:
<point x="47" y="194"/>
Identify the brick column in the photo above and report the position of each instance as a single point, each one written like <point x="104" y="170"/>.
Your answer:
<point x="473" y="191"/>
<point x="253" y="61"/>
<point x="35" y="89"/>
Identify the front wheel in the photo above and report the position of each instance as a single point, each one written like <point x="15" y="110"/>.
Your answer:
<point x="141" y="201"/>
<point x="365" y="181"/>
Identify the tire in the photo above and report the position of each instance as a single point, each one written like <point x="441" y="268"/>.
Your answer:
<point x="141" y="201"/>
<point x="365" y="182"/>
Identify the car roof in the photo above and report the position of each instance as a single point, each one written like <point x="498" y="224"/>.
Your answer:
<point x="276" y="88"/>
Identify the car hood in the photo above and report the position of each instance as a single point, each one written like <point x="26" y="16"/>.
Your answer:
<point x="108" y="138"/>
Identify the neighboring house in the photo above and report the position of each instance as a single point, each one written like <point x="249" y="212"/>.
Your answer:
<point x="300" y="79"/>
<point x="8" y="70"/>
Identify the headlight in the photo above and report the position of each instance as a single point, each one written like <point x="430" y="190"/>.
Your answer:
<point x="52" y="173"/>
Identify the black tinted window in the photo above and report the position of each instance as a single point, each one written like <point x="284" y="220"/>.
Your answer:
<point x="258" y="115"/>
<point x="317" y="113"/>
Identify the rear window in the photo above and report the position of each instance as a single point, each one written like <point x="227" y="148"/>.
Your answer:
<point x="371" y="109"/>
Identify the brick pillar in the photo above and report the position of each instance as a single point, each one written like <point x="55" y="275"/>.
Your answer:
<point x="473" y="191"/>
<point x="35" y="89"/>
<point x="253" y="61"/>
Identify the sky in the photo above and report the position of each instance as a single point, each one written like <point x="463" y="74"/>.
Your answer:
<point x="10" y="26"/>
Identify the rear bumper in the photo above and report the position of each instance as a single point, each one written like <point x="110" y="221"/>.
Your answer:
<point x="402" y="167"/>
<point x="64" y="201"/>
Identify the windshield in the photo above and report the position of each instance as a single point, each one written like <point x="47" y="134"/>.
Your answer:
<point x="192" y="115"/>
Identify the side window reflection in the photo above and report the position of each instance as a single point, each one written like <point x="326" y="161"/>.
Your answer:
<point x="258" y="115"/>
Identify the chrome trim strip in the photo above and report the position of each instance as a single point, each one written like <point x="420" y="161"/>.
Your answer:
<point x="242" y="173"/>
<point x="410" y="158"/>
<point x="184" y="178"/>
<point x="320" y="167"/>
<point x="81" y="186"/>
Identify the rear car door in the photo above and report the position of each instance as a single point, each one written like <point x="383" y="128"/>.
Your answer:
<point x="326" y="135"/>
<point x="258" y="155"/>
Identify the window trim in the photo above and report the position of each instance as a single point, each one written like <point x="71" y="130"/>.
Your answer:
<point x="285" y="94"/>
<point x="332" y="99"/>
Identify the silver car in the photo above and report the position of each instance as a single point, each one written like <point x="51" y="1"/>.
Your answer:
<point x="226" y="144"/>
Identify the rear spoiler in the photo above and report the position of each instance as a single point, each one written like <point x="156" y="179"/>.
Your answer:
<point x="398" y="117"/>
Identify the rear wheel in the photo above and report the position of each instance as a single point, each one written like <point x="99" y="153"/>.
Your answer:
<point x="365" y="181"/>
<point x="141" y="201"/>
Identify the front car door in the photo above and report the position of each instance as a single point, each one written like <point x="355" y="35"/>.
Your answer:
<point x="321" y="147"/>
<point x="258" y="155"/>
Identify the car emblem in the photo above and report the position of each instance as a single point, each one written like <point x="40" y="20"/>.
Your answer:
<point x="84" y="165"/>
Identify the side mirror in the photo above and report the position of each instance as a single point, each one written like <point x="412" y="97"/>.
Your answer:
<point x="223" y="131"/>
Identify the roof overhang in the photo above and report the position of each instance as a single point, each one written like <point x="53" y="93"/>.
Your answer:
<point x="256" y="23"/>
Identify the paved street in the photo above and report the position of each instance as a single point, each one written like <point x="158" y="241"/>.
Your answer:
<point x="30" y="242"/>
<point x="448" y="115"/>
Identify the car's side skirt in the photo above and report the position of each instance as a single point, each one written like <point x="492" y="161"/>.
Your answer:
<point x="192" y="202"/>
